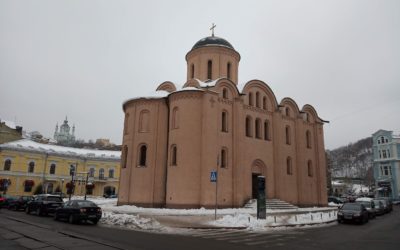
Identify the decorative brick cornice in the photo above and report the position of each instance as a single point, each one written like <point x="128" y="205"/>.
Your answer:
<point x="186" y="95"/>
<point x="225" y="101"/>
<point x="257" y="110"/>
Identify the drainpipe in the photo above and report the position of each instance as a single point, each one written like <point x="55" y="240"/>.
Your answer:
<point x="44" y="173"/>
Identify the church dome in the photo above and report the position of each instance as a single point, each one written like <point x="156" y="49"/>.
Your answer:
<point x="213" y="41"/>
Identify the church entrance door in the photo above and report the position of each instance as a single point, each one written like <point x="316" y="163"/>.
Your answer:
<point x="254" y="185"/>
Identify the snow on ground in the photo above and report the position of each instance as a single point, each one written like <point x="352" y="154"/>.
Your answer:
<point x="133" y="217"/>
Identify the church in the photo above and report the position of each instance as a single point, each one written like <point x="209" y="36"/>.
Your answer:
<point x="173" y="140"/>
<point x="63" y="136"/>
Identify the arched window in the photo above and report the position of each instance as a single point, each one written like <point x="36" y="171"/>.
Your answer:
<point x="308" y="139"/>
<point x="91" y="172"/>
<point x="224" y="93"/>
<point x="71" y="170"/>
<point x="144" y="121"/>
<point x="31" y="167"/>
<point x="175" y="118"/>
<point x="251" y="99"/>
<point x="192" y="71"/>
<point x="228" y="71"/>
<point x="309" y="168"/>
<point x="142" y="156"/>
<point x="288" y="135"/>
<point x="111" y="173"/>
<point x="248" y="127"/>
<point x="265" y="103"/>
<point x="258" y="128"/>
<point x="174" y="154"/>
<point x="224" y="125"/>
<point x="257" y="99"/>
<point x="53" y="168"/>
<point x="7" y="165"/>
<point x="126" y="123"/>
<point x="289" y="169"/>
<point x="224" y="158"/>
<point x="209" y="69"/>
<point x="267" y="135"/>
<point x="101" y="173"/>
<point x="287" y="111"/>
<point x="124" y="156"/>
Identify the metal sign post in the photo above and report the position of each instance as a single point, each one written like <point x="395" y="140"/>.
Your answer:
<point x="261" y="196"/>
<point x="214" y="178"/>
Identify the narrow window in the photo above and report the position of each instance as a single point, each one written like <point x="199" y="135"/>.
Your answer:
<point x="310" y="169"/>
<point x="209" y="69"/>
<point x="251" y="99"/>
<point x="225" y="93"/>
<point x="101" y="174"/>
<point x="228" y="70"/>
<point x="266" y="131"/>
<point x="175" y="118"/>
<point x="258" y="128"/>
<point x="111" y="173"/>
<point x="248" y="127"/>
<point x="224" y="122"/>
<point x="124" y="156"/>
<point x="388" y="153"/>
<point x="223" y="159"/>
<point x="53" y="168"/>
<point x="384" y="153"/>
<point x="257" y="99"/>
<point x="31" y="167"/>
<point x="7" y="165"/>
<point x="379" y="141"/>
<point x="126" y="123"/>
<point x="380" y="154"/>
<point x="192" y="71"/>
<point x="308" y="139"/>
<point x="174" y="153"/>
<point x="383" y="139"/>
<point x="265" y="103"/>
<point x="142" y="159"/>
<point x="287" y="132"/>
<point x="289" y="170"/>
<point x="287" y="111"/>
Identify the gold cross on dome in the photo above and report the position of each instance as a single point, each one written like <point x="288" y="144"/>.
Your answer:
<point x="212" y="29"/>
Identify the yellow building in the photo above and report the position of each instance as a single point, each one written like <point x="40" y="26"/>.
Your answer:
<point x="25" y="165"/>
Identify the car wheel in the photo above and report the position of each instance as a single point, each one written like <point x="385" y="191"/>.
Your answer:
<point x="55" y="216"/>
<point x="39" y="211"/>
<point x="27" y="210"/>
<point x="95" y="221"/>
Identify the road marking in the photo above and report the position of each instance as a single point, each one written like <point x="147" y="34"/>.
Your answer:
<point x="257" y="242"/>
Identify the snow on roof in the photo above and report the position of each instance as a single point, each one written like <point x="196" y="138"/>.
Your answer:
<point x="55" y="149"/>
<point x="208" y="83"/>
<point x="364" y="199"/>
<point x="9" y="124"/>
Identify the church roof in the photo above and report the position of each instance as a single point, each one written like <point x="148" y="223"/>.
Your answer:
<point x="212" y="41"/>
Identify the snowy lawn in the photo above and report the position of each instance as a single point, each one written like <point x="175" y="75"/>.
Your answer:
<point x="133" y="217"/>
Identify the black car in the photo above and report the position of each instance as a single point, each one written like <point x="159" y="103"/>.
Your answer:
<point x="76" y="211"/>
<point x="44" y="204"/>
<point x="335" y="200"/>
<point x="19" y="203"/>
<point x="353" y="212"/>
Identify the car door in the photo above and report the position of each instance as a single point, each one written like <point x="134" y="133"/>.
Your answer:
<point x="63" y="211"/>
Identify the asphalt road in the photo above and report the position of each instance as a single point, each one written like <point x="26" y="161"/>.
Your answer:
<point x="380" y="233"/>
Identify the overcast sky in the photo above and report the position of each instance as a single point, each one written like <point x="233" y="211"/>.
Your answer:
<point x="83" y="59"/>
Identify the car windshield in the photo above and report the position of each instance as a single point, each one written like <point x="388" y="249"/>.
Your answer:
<point x="351" y="206"/>
<point x="54" y="198"/>
<point x="365" y="203"/>
<point x="86" y="204"/>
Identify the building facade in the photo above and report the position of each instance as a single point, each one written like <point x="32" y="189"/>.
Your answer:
<point x="25" y="165"/>
<point x="64" y="136"/>
<point x="173" y="140"/>
<point x="386" y="149"/>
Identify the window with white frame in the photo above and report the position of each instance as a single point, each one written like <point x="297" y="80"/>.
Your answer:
<point x="386" y="170"/>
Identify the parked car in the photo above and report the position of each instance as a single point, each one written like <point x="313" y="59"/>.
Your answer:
<point x="7" y="200"/>
<point x="19" y="203"/>
<point x="353" y="212"/>
<point x="62" y="195"/>
<point x="369" y="205"/>
<point x="379" y="208"/>
<point x="386" y="205"/>
<point x="44" y="204"/>
<point x="2" y="200"/>
<point x="76" y="211"/>
<point x="335" y="200"/>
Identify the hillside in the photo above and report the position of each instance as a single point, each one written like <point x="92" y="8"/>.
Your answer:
<point x="353" y="160"/>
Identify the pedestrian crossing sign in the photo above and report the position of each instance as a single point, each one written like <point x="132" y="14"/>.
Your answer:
<point x="213" y="176"/>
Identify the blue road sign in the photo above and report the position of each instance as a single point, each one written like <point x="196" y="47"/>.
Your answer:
<point x="213" y="176"/>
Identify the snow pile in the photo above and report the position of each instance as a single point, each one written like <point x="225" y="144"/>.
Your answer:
<point x="130" y="221"/>
<point x="251" y="222"/>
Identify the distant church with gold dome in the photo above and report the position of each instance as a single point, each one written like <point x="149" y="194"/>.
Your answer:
<point x="174" y="139"/>
<point x="64" y="136"/>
